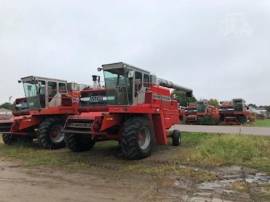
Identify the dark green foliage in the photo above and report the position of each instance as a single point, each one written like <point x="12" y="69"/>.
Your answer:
<point x="7" y="105"/>
<point x="267" y="108"/>
<point x="183" y="99"/>
<point x="213" y="102"/>
<point x="252" y="105"/>
<point x="207" y="120"/>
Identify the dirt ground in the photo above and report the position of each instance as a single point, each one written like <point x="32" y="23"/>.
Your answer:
<point x="105" y="181"/>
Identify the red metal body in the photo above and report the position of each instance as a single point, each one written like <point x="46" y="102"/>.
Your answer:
<point x="24" y="121"/>
<point x="191" y="114"/>
<point x="105" y="122"/>
<point x="135" y="108"/>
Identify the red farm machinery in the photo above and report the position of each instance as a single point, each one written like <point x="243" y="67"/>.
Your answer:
<point x="202" y="113"/>
<point x="190" y="114"/>
<point x="42" y="113"/>
<point x="135" y="108"/>
<point x="234" y="112"/>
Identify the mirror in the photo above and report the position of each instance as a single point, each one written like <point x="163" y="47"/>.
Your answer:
<point x="99" y="69"/>
<point x="131" y="74"/>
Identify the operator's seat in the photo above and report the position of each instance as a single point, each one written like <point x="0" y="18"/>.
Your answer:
<point x="56" y="101"/>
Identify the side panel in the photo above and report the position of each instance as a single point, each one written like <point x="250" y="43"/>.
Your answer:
<point x="25" y="123"/>
<point x="171" y="113"/>
<point x="110" y="120"/>
<point x="159" y="129"/>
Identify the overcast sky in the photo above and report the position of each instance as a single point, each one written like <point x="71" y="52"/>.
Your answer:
<point x="220" y="49"/>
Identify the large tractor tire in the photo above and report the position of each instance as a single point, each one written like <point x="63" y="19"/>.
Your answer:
<point x="78" y="142"/>
<point x="9" y="139"/>
<point x="137" y="138"/>
<point x="176" y="138"/>
<point x="50" y="134"/>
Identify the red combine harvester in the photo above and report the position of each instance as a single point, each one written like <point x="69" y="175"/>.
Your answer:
<point x="234" y="112"/>
<point x="182" y="111"/>
<point x="190" y="115"/>
<point x="207" y="114"/>
<point x="136" y="109"/>
<point x="42" y="113"/>
<point x="202" y="113"/>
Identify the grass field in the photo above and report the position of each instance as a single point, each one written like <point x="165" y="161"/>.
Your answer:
<point x="262" y="123"/>
<point x="200" y="150"/>
<point x="219" y="150"/>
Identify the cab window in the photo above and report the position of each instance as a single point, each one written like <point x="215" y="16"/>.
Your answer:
<point x="146" y="80"/>
<point x="62" y="88"/>
<point x="138" y="82"/>
<point x="52" y="89"/>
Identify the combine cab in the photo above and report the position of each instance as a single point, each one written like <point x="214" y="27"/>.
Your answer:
<point x="136" y="109"/>
<point x="202" y="113"/>
<point x="234" y="112"/>
<point x="42" y="113"/>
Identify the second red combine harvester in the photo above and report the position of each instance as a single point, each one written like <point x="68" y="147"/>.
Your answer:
<point x="136" y="109"/>
<point x="202" y="113"/>
<point x="42" y="113"/>
<point x="234" y="112"/>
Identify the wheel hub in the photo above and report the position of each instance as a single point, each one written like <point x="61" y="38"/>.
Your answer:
<point x="56" y="134"/>
<point x="144" y="138"/>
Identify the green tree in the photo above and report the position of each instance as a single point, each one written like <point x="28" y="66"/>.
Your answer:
<point x="266" y="107"/>
<point x="252" y="105"/>
<point x="213" y="102"/>
<point x="6" y="105"/>
<point x="183" y="99"/>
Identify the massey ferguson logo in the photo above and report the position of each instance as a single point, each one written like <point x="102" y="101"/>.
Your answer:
<point x="94" y="99"/>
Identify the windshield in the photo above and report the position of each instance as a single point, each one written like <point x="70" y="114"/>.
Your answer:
<point x="35" y="93"/>
<point x="117" y="86"/>
<point x="238" y="105"/>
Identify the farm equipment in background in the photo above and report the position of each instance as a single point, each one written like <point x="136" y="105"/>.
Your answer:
<point x="136" y="109"/>
<point x="234" y="112"/>
<point x="207" y="114"/>
<point x="190" y="116"/>
<point x="202" y="113"/>
<point x="42" y="113"/>
<point x="182" y="111"/>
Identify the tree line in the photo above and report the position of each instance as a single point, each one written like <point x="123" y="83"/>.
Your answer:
<point x="7" y="105"/>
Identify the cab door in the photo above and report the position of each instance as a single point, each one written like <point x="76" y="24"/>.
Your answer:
<point x="141" y="84"/>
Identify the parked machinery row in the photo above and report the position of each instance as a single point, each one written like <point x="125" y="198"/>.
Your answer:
<point x="233" y="112"/>
<point x="134" y="108"/>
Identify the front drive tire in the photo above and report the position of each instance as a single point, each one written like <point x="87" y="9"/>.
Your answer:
<point x="78" y="142"/>
<point x="50" y="134"/>
<point x="176" y="138"/>
<point x="137" y="138"/>
<point x="10" y="139"/>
